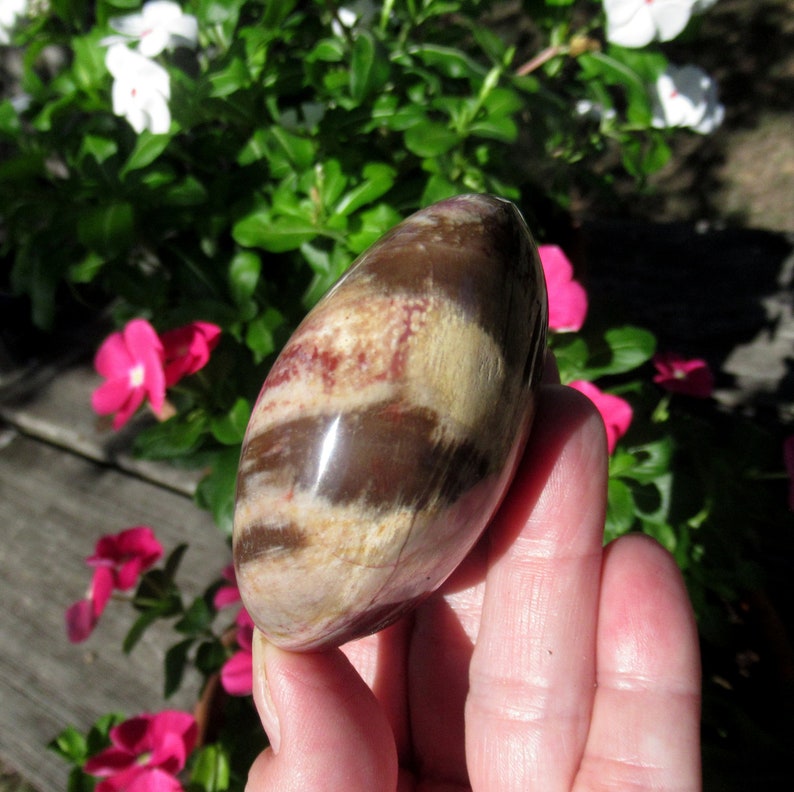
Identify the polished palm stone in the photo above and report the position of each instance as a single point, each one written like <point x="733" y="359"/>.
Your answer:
<point x="390" y="426"/>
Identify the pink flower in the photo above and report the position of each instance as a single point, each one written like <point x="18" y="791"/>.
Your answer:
<point x="187" y="349"/>
<point x="567" y="298"/>
<point x="677" y="375"/>
<point x="616" y="412"/>
<point x="146" y="753"/>
<point x="788" y="458"/>
<point x="83" y="615"/>
<point x="228" y="593"/>
<point x="132" y="363"/>
<point x="127" y="554"/>
<point x="118" y="561"/>
<point x="237" y="672"/>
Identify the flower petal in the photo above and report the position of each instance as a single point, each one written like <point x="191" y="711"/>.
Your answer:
<point x="173" y="736"/>
<point x="113" y="359"/>
<point x="127" y="410"/>
<point x="111" y="396"/>
<point x="237" y="674"/>
<point x="109" y="762"/>
<point x="688" y="377"/>
<point x="101" y="588"/>
<point x="567" y="297"/>
<point x="615" y="412"/>
<point x="152" y="779"/>
<point x="80" y="620"/>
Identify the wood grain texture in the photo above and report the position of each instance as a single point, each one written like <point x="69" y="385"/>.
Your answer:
<point x="54" y="504"/>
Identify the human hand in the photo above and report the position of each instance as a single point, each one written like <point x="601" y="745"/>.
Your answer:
<point x="546" y="662"/>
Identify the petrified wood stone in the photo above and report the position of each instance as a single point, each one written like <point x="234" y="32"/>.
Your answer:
<point x="390" y="426"/>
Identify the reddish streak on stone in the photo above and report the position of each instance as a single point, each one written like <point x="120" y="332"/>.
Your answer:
<point x="410" y="310"/>
<point x="298" y="359"/>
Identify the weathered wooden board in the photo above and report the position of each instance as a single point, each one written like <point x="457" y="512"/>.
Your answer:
<point x="53" y="506"/>
<point x="51" y="401"/>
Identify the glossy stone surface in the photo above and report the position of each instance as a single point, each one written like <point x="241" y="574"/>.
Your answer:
<point x="390" y="426"/>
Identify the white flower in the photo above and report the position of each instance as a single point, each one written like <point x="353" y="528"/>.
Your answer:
<point x="635" y="23"/>
<point x="687" y="97"/>
<point x="160" y="25"/>
<point x="348" y="16"/>
<point x="10" y="12"/>
<point x="594" y="110"/>
<point x="141" y="90"/>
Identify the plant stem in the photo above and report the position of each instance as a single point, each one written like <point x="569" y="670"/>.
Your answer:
<point x="542" y="57"/>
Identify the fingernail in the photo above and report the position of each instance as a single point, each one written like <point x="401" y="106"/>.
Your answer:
<point x="262" y="652"/>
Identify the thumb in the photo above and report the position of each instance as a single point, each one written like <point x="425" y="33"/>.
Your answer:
<point x="326" y="729"/>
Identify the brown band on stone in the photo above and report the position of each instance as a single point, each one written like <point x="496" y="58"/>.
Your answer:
<point x="391" y="459"/>
<point x="485" y="268"/>
<point x="257" y="540"/>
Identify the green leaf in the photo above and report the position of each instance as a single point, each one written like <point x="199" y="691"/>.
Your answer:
<point x="437" y="189"/>
<point x="148" y="147"/>
<point x="97" y="737"/>
<point x="98" y="147"/>
<point x="216" y="490"/>
<point x="276" y="235"/>
<point x="630" y="346"/>
<point x="664" y="533"/>
<point x="300" y="150"/>
<point x="328" y="267"/>
<point x="623" y="349"/>
<point x="177" y="437"/>
<point x="613" y="70"/>
<point x="369" y="70"/>
<point x="139" y="627"/>
<point x="385" y="112"/>
<point x="276" y="11"/>
<point x="244" y="271"/>
<point x="197" y="618"/>
<point x="330" y="50"/>
<point x="653" y="499"/>
<point x="88" y="66"/>
<point x="86" y="270"/>
<point x="37" y="272"/>
<point x="652" y="461"/>
<point x="71" y="745"/>
<point x="377" y="180"/>
<point x="78" y="781"/>
<point x="643" y="156"/>
<point x="259" y="337"/>
<point x="620" y="509"/>
<point x="374" y="223"/>
<point x="621" y="463"/>
<point x="497" y="128"/>
<point x="450" y="62"/>
<point x="9" y="120"/>
<point x="571" y="352"/>
<point x="255" y="149"/>
<point x="231" y="78"/>
<point x="107" y="229"/>
<point x="211" y="768"/>
<point x="175" y="662"/>
<point x="430" y="139"/>
<point x="210" y="656"/>
<point x="174" y="560"/>
<point x="188" y="192"/>
<point x="230" y="428"/>
<point x="503" y="102"/>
